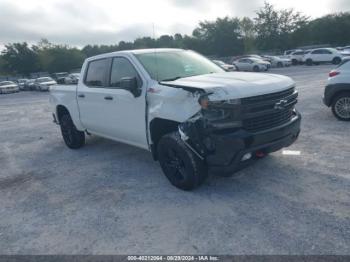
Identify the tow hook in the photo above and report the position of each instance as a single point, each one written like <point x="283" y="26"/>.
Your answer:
<point x="260" y="154"/>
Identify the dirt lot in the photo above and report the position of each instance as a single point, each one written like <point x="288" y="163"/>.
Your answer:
<point x="110" y="198"/>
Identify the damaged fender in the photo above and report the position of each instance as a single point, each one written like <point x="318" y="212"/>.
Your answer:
<point x="182" y="105"/>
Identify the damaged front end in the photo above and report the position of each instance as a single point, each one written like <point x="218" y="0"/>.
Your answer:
<point x="201" y="132"/>
<point x="220" y="133"/>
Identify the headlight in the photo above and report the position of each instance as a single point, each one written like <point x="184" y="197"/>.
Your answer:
<point x="222" y="114"/>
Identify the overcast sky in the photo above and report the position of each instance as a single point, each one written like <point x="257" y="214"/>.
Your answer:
<point x="81" y="22"/>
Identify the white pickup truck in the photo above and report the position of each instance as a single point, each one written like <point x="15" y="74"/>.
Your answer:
<point x="189" y="113"/>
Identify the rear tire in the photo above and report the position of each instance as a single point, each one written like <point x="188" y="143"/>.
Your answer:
<point x="180" y="165"/>
<point x="294" y="62"/>
<point x="72" y="137"/>
<point x="279" y="64"/>
<point x="341" y="106"/>
<point x="256" y="69"/>
<point x="336" y="60"/>
<point x="309" y="62"/>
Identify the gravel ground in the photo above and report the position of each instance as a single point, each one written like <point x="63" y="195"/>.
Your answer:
<point x="110" y="198"/>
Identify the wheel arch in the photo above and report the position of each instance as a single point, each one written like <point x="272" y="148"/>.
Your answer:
<point x="60" y="111"/>
<point x="338" y="93"/>
<point x="158" y="128"/>
<point x="332" y="91"/>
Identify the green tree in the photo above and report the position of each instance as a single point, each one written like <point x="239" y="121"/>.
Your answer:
<point x="221" y="37"/>
<point x="275" y="27"/>
<point x="2" y="66"/>
<point x="19" y="58"/>
<point x="56" y="58"/>
<point x="248" y="34"/>
<point x="330" y="29"/>
<point x="144" y="42"/>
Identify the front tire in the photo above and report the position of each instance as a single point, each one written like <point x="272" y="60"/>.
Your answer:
<point x="309" y="62"/>
<point x="341" y="106"/>
<point x="180" y="165"/>
<point x="336" y="60"/>
<point x="279" y="65"/>
<point x="72" y="137"/>
<point x="256" y="69"/>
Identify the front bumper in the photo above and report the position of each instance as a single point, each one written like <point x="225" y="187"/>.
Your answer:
<point x="44" y="88"/>
<point x="9" y="91"/>
<point x="231" y="148"/>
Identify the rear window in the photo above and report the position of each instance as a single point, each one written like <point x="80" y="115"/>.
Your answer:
<point x="96" y="73"/>
<point x="44" y="79"/>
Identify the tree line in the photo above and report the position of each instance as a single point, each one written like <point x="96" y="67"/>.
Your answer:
<point x="270" y="30"/>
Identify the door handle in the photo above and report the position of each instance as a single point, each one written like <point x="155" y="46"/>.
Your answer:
<point x="108" y="98"/>
<point x="81" y="95"/>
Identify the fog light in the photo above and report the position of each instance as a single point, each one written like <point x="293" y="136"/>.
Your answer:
<point x="246" y="157"/>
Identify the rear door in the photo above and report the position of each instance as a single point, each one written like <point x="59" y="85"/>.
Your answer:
<point x="316" y="55"/>
<point x="91" y="96"/>
<point x="327" y="55"/>
<point x="244" y="64"/>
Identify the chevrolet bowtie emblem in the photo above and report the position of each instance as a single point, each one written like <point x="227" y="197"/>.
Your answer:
<point x="281" y="105"/>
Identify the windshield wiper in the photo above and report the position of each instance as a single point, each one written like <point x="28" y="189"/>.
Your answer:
<point x="172" y="79"/>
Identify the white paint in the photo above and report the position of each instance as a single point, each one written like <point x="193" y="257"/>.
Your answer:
<point x="123" y="118"/>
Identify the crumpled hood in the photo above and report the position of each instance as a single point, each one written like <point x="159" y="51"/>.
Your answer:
<point x="231" y="85"/>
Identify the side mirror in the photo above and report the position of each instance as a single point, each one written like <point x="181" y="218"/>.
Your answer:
<point x="130" y="84"/>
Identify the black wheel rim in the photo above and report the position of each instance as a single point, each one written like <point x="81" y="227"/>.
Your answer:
<point x="174" y="164"/>
<point x="342" y="107"/>
<point x="67" y="131"/>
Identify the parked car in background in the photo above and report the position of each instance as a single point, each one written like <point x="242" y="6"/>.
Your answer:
<point x="72" y="79"/>
<point x="297" y="57"/>
<point x="223" y="65"/>
<point x="322" y="55"/>
<point x="7" y="87"/>
<point x="345" y="51"/>
<point x="22" y="83"/>
<point x="278" y="61"/>
<point x="44" y="83"/>
<point x="288" y="52"/>
<point x="267" y="63"/>
<point x="59" y="77"/>
<point x="251" y="64"/>
<point x="337" y="91"/>
<point x="30" y="85"/>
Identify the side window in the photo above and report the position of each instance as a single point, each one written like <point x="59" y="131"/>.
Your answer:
<point x="317" y="52"/>
<point x="122" y="68"/>
<point x="326" y="52"/>
<point x="96" y="73"/>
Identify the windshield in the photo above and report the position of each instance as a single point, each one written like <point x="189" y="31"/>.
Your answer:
<point x="172" y="65"/>
<point x="61" y="74"/>
<point x="5" y="83"/>
<point x="44" y="79"/>
<point x="257" y="60"/>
